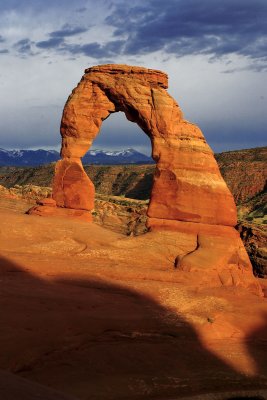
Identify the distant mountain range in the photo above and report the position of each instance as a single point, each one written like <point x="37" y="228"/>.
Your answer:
<point x="32" y="158"/>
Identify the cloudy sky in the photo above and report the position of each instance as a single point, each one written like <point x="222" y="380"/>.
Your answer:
<point x="214" y="51"/>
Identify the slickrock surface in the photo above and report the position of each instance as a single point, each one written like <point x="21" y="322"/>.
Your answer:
<point x="97" y="315"/>
<point x="128" y="216"/>
<point x="123" y="215"/>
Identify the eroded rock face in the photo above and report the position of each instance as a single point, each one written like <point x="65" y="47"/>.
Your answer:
<point x="77" y="190"/>
<point x="187" y="184"/>
<point x="188" y="190"/>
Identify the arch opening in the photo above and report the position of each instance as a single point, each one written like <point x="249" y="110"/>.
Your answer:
<point x="122" y="176"/>
<point x="117" y="133"/>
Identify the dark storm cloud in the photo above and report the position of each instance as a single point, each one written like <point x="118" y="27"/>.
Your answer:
<point x="56" y="38"/>
<point x="51" y="43"/>
<point x="95" y="50"/>
<point x="183" y="27"/>
<point x="175" y="27"/>
<point x="4" y="51"/>
<point x="67" y="31"/>
<point x="24" y="46"/>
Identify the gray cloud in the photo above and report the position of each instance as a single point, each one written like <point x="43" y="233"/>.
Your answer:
<point x="177" y="28"/>
<point x="2" y="39"/>
<point x="182" y="27"/>
<point x="24" y="46"/>
<point x="51" y="43"/>
<point x="56" y="40"/>
<point x="254" y="67"/>
<point x="95" y="50"/>
<point x="67" y="31"/>
<point x="4" y="51"/>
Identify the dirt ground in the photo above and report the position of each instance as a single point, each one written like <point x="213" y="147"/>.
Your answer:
<point x="96" y="315"/>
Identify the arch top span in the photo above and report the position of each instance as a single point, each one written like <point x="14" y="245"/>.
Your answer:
<point x="138" y="92"/>
<point x="152" y="76"/>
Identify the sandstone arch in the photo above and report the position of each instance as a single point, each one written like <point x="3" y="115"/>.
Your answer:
<point x="189" y="195"/>
<point x="187" y="183"/>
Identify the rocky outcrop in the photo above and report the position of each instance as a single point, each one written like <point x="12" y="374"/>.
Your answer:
<point x="188" y="191"/>
<point x="186" y="169"/>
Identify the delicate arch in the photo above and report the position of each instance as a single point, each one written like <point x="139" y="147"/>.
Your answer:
<point x="187" y="183"/>
<point x="188" y="196"/>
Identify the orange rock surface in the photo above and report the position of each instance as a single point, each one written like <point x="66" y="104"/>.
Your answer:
<point x="76" y="190"/>
<point x="187" y="184"/>
<point x="216" y="254"/>
<point x="97" y="315"/>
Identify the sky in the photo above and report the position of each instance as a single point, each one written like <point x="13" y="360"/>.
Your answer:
<point x="214" y="52"/>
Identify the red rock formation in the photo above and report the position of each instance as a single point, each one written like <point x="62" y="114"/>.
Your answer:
<point x="217" y="254"/>
<point x="186" y="171"/>
<point x="187" y="183"/>
<point x="78" y="191"/>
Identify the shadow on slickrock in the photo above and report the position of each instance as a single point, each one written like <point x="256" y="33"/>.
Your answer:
<point x="92" y="338"/>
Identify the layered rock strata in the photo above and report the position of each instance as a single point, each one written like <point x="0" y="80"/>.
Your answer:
<point x="187" y="183"/>
<point x="186" y="170"/>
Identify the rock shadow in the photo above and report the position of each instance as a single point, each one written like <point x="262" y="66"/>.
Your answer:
<point x="99" y="339"/>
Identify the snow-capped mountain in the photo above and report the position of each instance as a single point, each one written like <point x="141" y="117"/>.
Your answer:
<point x="33" y="158"/>
<point x="28" y="158"/>
<point x="128" y="156"/>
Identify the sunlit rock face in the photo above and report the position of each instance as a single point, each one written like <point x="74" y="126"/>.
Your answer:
<point x="187" y="183"/>
<point x="189" y="195"/>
